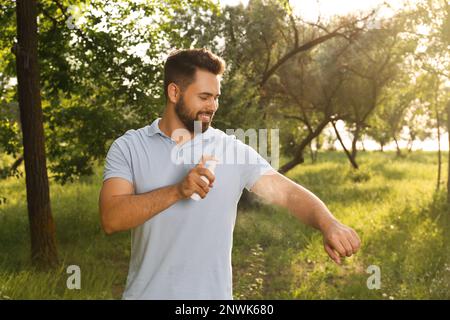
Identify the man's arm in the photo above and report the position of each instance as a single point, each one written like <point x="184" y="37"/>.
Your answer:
<point x="280" y="190"/>
<point x="121" y="209"/>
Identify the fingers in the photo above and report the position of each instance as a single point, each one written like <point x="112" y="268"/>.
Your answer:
<point x="342" y="244"/>
<point x="347" y="246"/>
<point x="208" y="174"/>
<point x="202" y="184"/>
<point x="333" y="255"/>
<point x="200" y="191"/>
<point x="337" y="245"/>
<point x="355" y="235"/>
<point x="202" y="171"/>
<point x="342" y="240"/>
<point x="354" y="241"/>
<point x="198" y="188"/>
<point x="199" y="180"/>
<point x="194" y="183"/>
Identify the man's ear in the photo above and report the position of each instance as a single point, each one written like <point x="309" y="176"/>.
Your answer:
<point x="173" y="92"/>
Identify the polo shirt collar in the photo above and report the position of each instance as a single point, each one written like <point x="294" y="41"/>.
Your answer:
<point x="154" y="129"/>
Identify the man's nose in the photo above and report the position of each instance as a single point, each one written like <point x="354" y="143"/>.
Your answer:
<point x="213" y="104"/>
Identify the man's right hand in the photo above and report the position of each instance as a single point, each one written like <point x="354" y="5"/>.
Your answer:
<point x="193" y="182"/>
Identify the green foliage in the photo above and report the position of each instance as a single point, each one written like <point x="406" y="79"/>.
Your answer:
<point x="101" y="72"/>
<point x="395" y="109"/>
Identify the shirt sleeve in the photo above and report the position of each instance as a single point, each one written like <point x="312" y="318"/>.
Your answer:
<point x="118" y="163"/>
<point x="253" y="167"/>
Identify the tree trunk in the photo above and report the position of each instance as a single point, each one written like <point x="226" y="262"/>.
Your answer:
<point x="410" y="145"/>
<point x="354" y="142"/>
<point x="448" y="173"/>
<point x="349" y="156"/>
<point x="438" y="124"/>
<point x="438" y="183"/>
<point x="399" y="152"/>
<point x="311" y="152"/>
<point x="300" y="149"/>
<point x="42" y="227"/>
<point x="298" y="159"/>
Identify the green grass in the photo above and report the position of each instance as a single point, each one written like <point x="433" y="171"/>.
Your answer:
<point x="391" y="202"/>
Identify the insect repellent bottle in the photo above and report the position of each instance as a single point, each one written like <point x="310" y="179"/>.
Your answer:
<point x="211" y="166"/>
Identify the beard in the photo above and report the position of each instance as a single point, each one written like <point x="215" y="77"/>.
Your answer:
<point x="187" y="119"/>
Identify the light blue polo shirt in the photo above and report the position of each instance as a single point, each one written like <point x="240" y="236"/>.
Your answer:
<point x="183" y="252"/>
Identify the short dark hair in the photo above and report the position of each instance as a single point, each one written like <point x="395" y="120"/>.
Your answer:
<point x="181" y="65"/>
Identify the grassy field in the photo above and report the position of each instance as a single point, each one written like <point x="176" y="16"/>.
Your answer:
<point x="403" y="223"/>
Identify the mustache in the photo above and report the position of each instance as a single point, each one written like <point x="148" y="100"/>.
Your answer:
<point x="210" y="113"/>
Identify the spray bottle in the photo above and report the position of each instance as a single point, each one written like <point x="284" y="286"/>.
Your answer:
<point x="211" y="166"/>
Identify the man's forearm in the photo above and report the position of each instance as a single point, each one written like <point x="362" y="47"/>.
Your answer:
<point x="309" y="208"/>
<point x="129" y="211"/>
<point x="339" y="240"/>
<point x="277" y="189"/>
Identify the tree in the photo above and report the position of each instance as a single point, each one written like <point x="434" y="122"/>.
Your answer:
<point x="262" y="38"/>
<point x="430" y="26"/>
<point x="433" y="98"/>
<point x="42" y="226"/>
<point x="417" y="123"/>
<point x="387" y="122"/>
<point x="370" y="67"/>
<point x="306" y="91"/>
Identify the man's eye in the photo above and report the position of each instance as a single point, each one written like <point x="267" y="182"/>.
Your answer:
<point x="203" y="98"/>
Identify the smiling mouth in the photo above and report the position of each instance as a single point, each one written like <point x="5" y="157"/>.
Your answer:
<point x="204" y="117"/>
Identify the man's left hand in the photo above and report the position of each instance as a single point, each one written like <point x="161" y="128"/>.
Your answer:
<point x="340" y="241"/>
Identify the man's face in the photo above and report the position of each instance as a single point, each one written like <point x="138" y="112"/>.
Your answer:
<point x="199" y="101"/>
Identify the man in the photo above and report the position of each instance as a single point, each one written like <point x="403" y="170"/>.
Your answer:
<point x="181" y="248"/>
